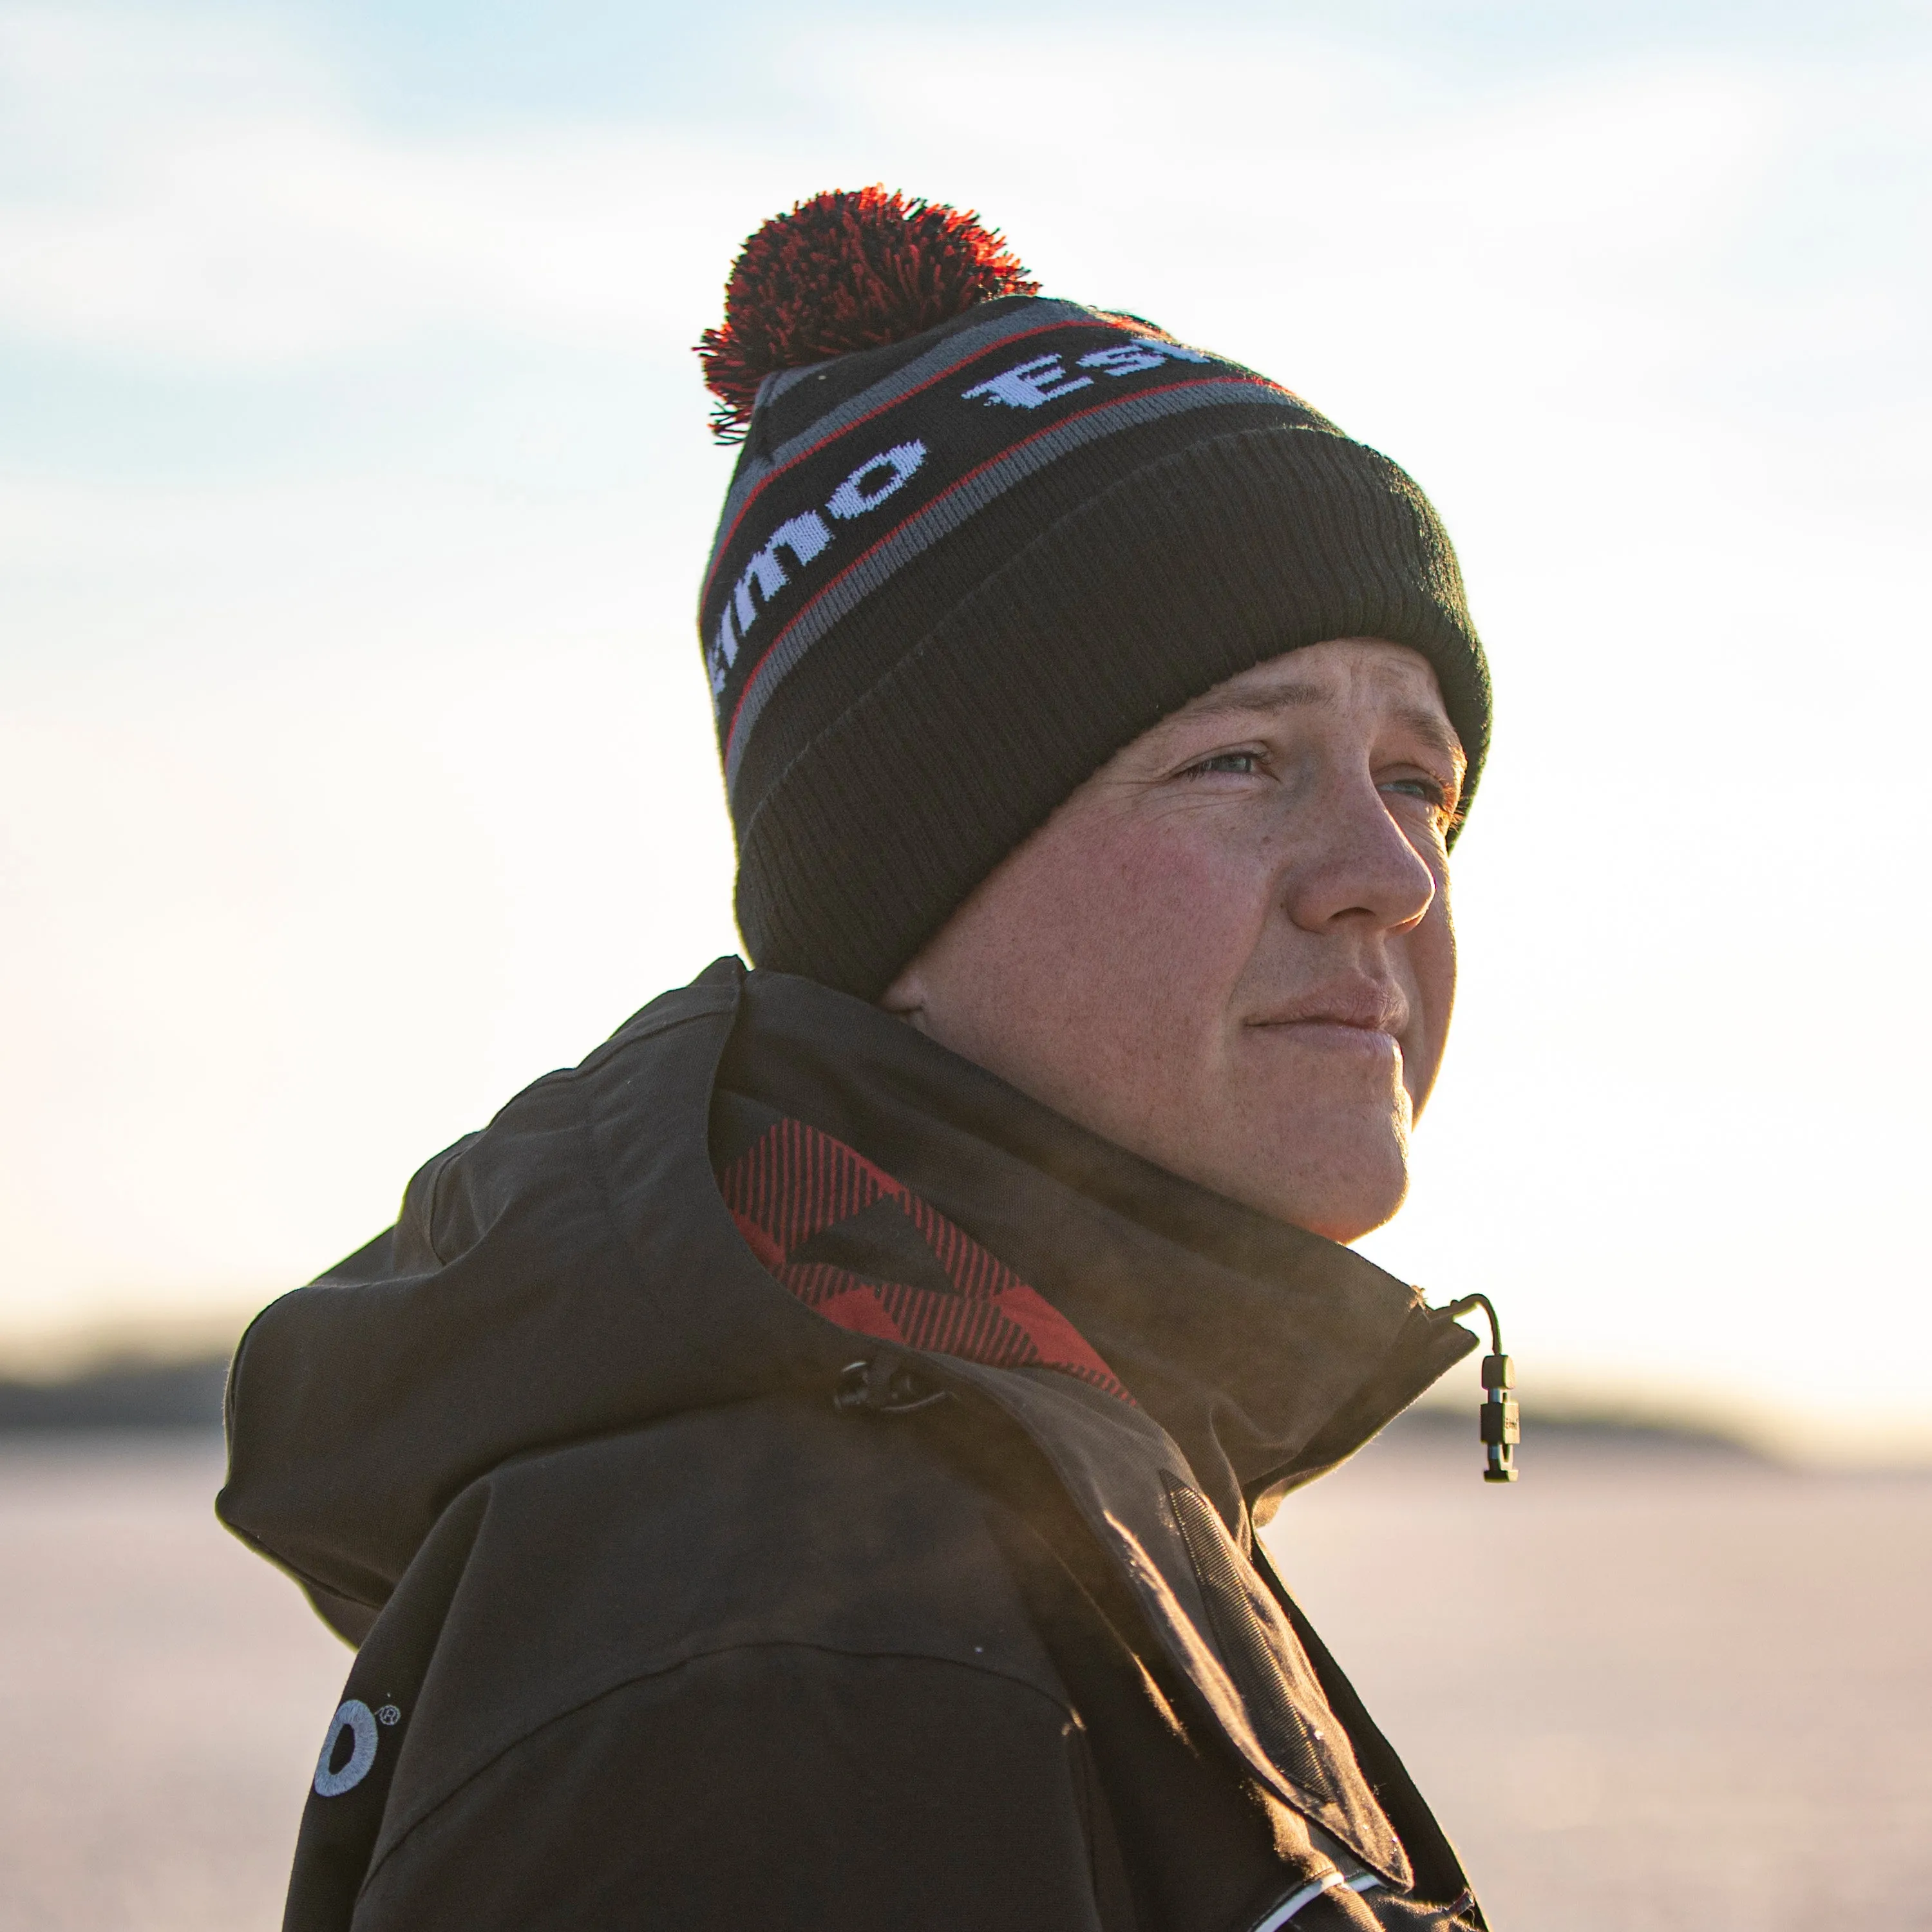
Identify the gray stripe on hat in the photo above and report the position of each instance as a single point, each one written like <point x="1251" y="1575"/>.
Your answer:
<point x="956" y="349"/>
<point x="946" y="513"/>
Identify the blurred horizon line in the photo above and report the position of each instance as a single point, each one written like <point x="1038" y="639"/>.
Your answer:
<point x="88" y="1354"/>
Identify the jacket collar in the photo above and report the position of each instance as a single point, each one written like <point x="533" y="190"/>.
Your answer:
<point x="1268" y="1354"/>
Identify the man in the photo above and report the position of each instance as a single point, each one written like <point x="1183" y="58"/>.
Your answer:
<point x="799" y="1468"/>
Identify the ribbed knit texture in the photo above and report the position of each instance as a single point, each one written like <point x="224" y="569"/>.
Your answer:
<point x="1045" y="582"/>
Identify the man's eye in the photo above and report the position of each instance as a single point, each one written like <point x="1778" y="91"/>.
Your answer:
<point x="1431" y="791"/>
<point x="1242" y="764"/>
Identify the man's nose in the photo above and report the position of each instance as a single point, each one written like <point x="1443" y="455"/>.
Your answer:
<point x="1353" y="863"/>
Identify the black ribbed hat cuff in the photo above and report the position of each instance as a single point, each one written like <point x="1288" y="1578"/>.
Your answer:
<point x="1183" y="574"/>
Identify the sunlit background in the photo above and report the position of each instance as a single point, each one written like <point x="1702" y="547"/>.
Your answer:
<point x="355" y="766"/>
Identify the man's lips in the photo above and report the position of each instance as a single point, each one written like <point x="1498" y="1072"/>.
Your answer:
<point x="1363" y="1007"/>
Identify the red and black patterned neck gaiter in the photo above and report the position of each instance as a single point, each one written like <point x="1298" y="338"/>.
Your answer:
<point x="865" y="1252"/>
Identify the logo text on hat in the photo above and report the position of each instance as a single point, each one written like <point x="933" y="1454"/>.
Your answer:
<point x="806" y="537"/>
<point x="1044" y="378"/>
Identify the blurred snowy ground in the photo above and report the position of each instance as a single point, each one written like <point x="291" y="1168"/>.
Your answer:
<point x="1656" y="1686"/>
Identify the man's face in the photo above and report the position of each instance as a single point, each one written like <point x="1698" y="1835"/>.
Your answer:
<point x="1230" y="950"/>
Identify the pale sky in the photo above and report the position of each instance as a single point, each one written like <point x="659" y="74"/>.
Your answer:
<point x="354" y="762"/>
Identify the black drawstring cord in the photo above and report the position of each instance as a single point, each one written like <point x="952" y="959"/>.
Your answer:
<point x="1500" y="1429"/>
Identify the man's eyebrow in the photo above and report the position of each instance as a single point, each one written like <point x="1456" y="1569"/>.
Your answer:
<point x="1434" y="729"/>
<point x="1258" y="699"/>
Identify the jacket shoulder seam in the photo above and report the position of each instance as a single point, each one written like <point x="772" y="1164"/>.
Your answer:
<point x="697" y="1657"/>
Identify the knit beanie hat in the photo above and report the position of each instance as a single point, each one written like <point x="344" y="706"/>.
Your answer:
<point x="976" y="541"/>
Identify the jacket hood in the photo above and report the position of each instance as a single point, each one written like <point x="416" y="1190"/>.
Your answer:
<point x="573" y="1270"/>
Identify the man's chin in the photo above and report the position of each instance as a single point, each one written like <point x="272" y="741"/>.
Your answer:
<point x="1346" y="1221"/>
<point x="1336" y="1182"/>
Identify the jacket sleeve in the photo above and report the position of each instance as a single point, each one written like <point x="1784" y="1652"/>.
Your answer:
<point x="772" y="1787"/>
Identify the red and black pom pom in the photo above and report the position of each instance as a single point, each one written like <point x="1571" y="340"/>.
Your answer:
<point x="846" y="271"/>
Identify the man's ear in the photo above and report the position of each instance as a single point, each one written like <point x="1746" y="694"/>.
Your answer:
<point x="905" y="998"/>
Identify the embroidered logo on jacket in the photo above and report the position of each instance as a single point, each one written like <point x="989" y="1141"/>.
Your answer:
<point x="349" y="1751"/>
<point x="795" y="1189"/>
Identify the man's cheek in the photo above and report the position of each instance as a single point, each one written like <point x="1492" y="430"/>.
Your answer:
<point x="1195" y="882"/>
